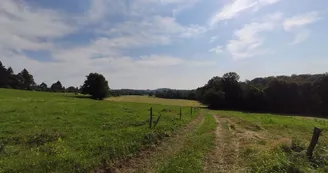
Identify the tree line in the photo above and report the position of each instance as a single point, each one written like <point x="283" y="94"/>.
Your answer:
<point x="120" y="92"/>
<point x="176" y="94"/>
<point x="160" y="93"/>
<point x="95" y="84"/>
<point x="25" y="81"/>
<point x="299" y="94"/>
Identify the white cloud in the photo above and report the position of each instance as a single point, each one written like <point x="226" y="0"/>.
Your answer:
<point x="151" y="71"/>
<point x="192" y="31"/>
<point x="27" y="28"/>
<point x="173" y="1"/>
<point x="301" y="37"/>
<point x="97" y="11"/>
<point x="183" y="5"/>
<point x="301" y="20"/>
<point x="248" y="39"/>
<point x="214" y="38"/>
<point x="155" y="30"/>
<point x="296" y="24"/>
<point x="218" y="49"/>
<point x="236" y="7"/>
<point x="159" y="60"/>
<point x="103" y="54"/>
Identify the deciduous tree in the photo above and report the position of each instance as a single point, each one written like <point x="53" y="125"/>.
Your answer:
<point x="96" y="85"/>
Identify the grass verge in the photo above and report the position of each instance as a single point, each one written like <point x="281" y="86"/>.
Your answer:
<point x="273" y="143"/>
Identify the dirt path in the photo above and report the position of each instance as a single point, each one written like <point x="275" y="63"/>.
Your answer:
<point x="230" y="138"/>
<point x="225" y="155"/>
<point x="149" y="160"/>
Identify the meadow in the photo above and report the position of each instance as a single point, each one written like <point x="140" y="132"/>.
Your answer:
<point x="48" y="132"/>
<point x="154" y="100"/>
<point x="274" y="143"/>
<point x="58" y="132"/>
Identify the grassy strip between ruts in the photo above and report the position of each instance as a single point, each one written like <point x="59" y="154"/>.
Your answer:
<point x="191" y="158"/>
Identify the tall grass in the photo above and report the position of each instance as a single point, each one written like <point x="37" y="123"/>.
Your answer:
<point x="283" y="144"/>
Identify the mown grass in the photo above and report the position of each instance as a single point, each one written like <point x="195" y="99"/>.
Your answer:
<point x="48" y="132"/>
<point x="191" y="157"/>
<point x="154" y="100"/>
<point x="282" y="144"/>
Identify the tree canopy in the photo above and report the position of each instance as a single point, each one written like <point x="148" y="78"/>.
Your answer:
<point x="25" y="81"/>
<point x="96" y="85"/>
<point x="57" y="87"/>
<point x="301" y="94"/>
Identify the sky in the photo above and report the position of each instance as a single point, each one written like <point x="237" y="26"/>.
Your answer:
<point x="149" y="44"/>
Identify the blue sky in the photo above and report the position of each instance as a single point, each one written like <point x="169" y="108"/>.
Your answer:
<point x="162" y="43"/>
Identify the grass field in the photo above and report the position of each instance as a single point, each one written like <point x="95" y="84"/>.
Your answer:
<point x="154" y="100"/>
<point x="47" y="132"/>
<point x="272" y="143"/>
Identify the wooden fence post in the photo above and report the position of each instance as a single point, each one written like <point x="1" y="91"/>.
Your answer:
<point x="180" y="114"/>
<point x="314" y="141"/>
<point x="150" y="117"/>
<point x="159" y="117"/>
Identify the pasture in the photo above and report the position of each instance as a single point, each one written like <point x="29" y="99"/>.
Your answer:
<point x="48" y="132"/>
<point x="154" y="100"/>
<point x="260" y="142"/>
<point x="51" y="132"/>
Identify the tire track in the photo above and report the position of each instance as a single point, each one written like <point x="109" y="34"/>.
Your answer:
<point x="225" y="155"/>
<point x="149" y="160"/>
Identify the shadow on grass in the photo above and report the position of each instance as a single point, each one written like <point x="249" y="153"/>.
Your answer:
<point x="278" y="113"/>
<point x="79" y="96"/>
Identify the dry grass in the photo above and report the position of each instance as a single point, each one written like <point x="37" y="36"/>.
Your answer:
<point x="225" y="155"/>
<point x="266" y="142"/>
<point x="154" y="100"/>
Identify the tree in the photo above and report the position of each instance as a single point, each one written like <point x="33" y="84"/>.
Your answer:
<point x="12" y="78"/>
<point x="3" y="76"/>
<point x="72" y="89"/>
<point x="57" y="87"/>
<point x="321" y="94"/>
<point x="96" y="85"/>
<point x="231" y="77"/>
<point x="232" y="90"/>
<point x="25" y="80"/>
<point x="253" y="98"/>
<point x="43" y="87"/>
<point x="213" y="98"/>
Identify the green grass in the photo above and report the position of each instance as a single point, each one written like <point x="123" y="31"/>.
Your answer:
<point x="48" y="132"/>
<point x="291" y="126"/>
<point x="274" y="152"/>
<point x="154" y="100"/>
<point x="191" y="157"/>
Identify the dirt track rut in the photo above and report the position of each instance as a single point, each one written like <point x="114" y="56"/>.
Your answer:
<point x="225" y="155"/>
<point x="148" y="160"/>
